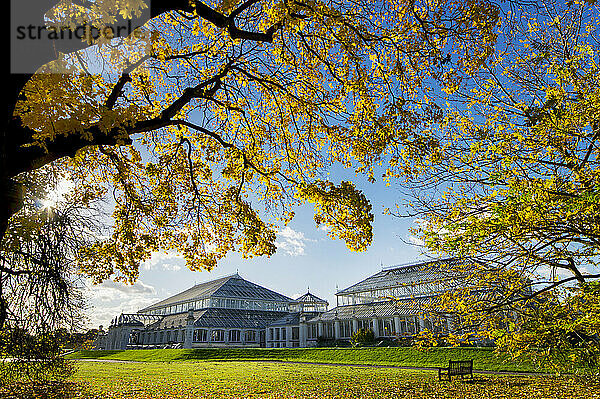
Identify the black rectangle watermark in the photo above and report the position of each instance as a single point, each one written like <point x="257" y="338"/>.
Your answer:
<point x="35" y="40"/>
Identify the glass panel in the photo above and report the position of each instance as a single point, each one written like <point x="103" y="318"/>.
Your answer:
<point x="410" y="324"/>
<point x="250" y="336"/>
<point x="234" y="335"/>
<point x="217" y="335"/>
<point x="328" y="329"/>
<point x="200" y="335"/>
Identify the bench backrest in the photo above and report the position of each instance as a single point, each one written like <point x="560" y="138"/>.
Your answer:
<point x="460" y="366"/>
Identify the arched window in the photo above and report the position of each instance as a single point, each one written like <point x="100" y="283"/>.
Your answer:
<point x="217" y="335"/>
<point x="250" y="336"/>
<point x="234" y="335"/>
<point x="200" y="335"/>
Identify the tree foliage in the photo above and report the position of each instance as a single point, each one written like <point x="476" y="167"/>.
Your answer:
<point x="31" y="358"/>
<point x="510" y="180"/>
<point x="38" y="281"/>
<point x="561" y="331"/>
<point x="39" y="286"/>
<point x="227" y="104"/>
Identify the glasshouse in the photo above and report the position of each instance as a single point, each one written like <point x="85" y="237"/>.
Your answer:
<point x="232" y="311"/>
<point x="394" y="302"/>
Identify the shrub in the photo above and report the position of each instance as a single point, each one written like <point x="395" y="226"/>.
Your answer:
<point x="363" y="337"/>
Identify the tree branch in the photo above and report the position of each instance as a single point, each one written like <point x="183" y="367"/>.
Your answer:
<point x="549" y="287"/>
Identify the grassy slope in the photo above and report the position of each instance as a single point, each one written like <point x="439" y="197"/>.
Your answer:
<point x="484" y="359"/>
<point x="269" y="380"/>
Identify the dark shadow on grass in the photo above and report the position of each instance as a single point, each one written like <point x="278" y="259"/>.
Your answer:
<point x="234" y="354"/>
<point x="44" y="389"/>
<point x="485" y="381"/>
<point x="93" y="354"/>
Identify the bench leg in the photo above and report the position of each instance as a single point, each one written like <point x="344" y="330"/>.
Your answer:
<point x="439" y="374"/>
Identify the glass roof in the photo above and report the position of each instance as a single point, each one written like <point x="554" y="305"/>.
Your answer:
<point x="221" y="318"/>
<point x="232" y="286"/>
<point x="291" y="319"/>
<point x="237" y="287"/>
<point x="236" y="318"/>
<point x="403" y="275"/>
<point x="388" y="308"/>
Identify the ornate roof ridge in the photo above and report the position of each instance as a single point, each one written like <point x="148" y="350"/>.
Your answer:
<point x="308" y="297"/>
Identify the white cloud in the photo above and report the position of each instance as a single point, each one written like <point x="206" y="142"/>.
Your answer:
<point x="291" y="242"/>
<point x="111" y="298"/>
<point x="170" y="260"/>
<point x="325" y="228"/>
<point x="171" y="267"/>
<point x="415" y="240"/>
<point x="128" y="289"/>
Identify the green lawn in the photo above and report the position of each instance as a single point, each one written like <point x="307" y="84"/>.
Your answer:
<point x="484" y="359"/>
<point x="279" y="380"/>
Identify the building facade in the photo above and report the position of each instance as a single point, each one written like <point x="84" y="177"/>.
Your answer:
<point x="232" y="311"/>
<point x="395" y="302"/>
<point x="291" y="330"/>
<point x="229" y="311"/>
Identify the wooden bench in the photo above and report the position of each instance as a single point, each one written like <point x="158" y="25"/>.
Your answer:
<point x="456" y="367"/>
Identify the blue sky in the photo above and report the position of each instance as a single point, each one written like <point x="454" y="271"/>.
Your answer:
<point x="306" y="258"/>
